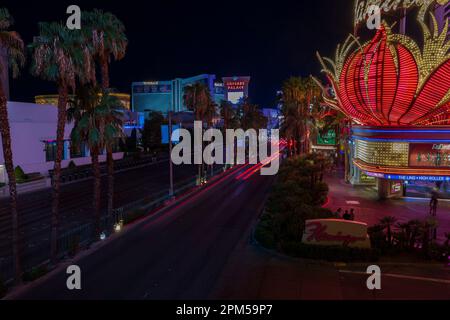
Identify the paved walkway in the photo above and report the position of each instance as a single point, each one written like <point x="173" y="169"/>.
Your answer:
<point x="370" y="210"/>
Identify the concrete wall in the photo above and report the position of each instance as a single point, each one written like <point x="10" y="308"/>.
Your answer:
<point x="31" y="124"/>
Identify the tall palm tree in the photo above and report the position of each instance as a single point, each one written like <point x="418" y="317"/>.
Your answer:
<point x="228" y="114"/>
<point x="251" y="116"/>
<point x="107" y="34"/>
<point x="299" y="97"/>
<point x="62" y="56"/>
<point x="13" y="47"/>
<point x="112" y="114"/>
<point x="197" y="98"/>
<point x="89" y="128"/>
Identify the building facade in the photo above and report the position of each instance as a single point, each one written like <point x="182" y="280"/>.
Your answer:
<point x="33" y="134"/>
<point x="395" y="91"/>
<point x="162" y="96"/>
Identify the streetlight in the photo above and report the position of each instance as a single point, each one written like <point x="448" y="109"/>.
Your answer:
<point x="170" y="153"/>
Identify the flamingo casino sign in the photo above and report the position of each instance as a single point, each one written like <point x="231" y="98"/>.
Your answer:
<point x="335" y="232"/>
<point x="362" y="7"/>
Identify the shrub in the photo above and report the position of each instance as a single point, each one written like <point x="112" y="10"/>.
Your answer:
<point x="34" y="274"/>
<point x="72" y="165"/>
<point x="20" y="174"/>
<point x="329" y="253"/>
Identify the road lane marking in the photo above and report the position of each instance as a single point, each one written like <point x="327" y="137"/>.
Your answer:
<point x="400" y="276"/>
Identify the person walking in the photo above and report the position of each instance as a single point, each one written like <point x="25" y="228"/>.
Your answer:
<point x="347" y="216"/>
<point x="352" y="214"/>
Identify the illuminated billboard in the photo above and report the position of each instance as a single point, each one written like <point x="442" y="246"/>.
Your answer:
<point x="429" y="155"/>
<point x="236" y="89"/>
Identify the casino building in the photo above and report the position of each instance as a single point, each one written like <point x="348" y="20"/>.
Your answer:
<point x="396" y="91"/>
<point x="163" y="96"/>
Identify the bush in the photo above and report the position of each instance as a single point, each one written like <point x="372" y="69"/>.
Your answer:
<point x="20" y="174"/>
<point x="34" y="274"/>
<point x="3" y="288"/>
<point x="329" y="253"/>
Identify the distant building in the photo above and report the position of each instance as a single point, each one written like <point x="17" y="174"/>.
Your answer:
<point x="273" y="117"/>
<point x="162" y="96"/>
<point x="33" y="133"/>
<point x="52" y="99"/>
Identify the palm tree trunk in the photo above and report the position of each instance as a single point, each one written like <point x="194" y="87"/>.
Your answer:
<point x="105" y="73"/>
<point x="7" y="154"/>
<point x="62" y="108"/>
<point x="97" y="191"/>
<point x="110" y="165"/>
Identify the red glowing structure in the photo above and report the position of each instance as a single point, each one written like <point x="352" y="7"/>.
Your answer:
<point x="390" y="81"/>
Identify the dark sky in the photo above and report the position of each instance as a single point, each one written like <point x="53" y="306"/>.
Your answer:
<point x="267" y="40"/>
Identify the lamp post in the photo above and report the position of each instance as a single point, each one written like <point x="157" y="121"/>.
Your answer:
<point x="171" y="192"/>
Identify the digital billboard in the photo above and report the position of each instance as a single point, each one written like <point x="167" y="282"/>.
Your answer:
<point x="429" y="155"/>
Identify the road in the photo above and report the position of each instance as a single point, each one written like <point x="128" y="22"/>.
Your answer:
<point x="178" y="255"/>
<point x="76" y="203"/>
<point x="202" y="249"/>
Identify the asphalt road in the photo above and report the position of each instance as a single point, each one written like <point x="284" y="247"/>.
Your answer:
<point x="177" y="255"/>
<point x="76" y="203"/>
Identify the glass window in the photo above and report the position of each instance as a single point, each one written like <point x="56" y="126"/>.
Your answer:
<point x="78" y="151"/>
<point x="50" y="151"/>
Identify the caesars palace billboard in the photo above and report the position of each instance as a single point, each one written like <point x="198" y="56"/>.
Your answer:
<point x="362" y="7"/>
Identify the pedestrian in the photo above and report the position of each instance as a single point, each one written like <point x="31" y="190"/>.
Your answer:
<point x="338" y="213"/>
<point x="434" y="204"/>
<point x="352" y="214"/>
<point x="347" y="216"/>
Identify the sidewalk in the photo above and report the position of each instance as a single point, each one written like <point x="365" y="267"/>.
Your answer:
<point x="370" y="210"/>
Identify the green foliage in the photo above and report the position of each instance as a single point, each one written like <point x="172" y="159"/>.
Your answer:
<point x="12" y="42"/>
<point x="250" y="116"/>
<point x="34" y="274"/>
<point x="297" y="196"/>
<point x="151" y="133"/>
<point x="20" y="174"/>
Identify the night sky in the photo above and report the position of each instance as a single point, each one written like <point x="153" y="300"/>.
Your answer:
<point x="267" y="40"/>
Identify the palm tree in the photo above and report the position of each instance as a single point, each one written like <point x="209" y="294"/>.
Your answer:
<point x="388" y="222"/>
<point x="13" y="46"/>
<point x="62" y="56"/>
<point x="299" y="97"/>
<point x="228" y="114"/>
<point x="251" y="116"/>
<point x="197" y="98"/>
<point x="112" y="114"/>
<point x="107" y="35"/>
<point x="89" y="127"/>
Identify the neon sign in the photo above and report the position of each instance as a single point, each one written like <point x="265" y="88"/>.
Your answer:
<point x="362" y="7"/>
<point x="407" y="177"/>
<point x="236" y="85"/>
